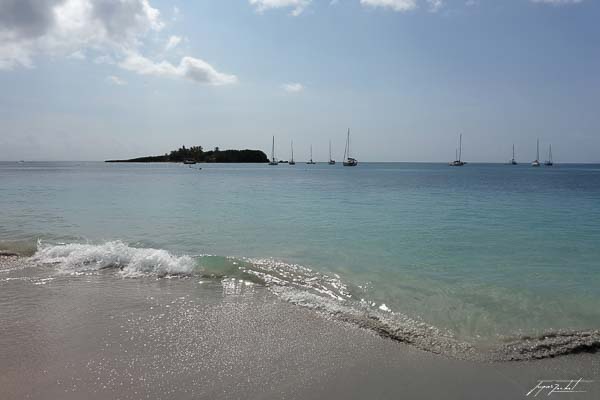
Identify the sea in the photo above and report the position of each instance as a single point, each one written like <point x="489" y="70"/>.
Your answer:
<point x="445" y="258"/>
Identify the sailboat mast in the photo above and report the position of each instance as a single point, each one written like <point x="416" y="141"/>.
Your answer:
<point x="311" y="153"/>
<point x="329" y="150"/>
<point x="273" y="150"/>
<point x="537" y="154"/>
<point x="292" y="151"/>
<point x="550" y="154"/>
<point x="348" y="142"/>
<point x="513" y="152"/>
<point x="460" y="147"/>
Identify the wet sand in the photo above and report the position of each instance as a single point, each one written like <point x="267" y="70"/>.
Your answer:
<point x="99" y="336"/>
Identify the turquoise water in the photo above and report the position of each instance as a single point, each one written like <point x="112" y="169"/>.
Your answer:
<point x="482" y="251"/>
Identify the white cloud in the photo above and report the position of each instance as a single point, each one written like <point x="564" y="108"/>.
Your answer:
<point x="115" y="80"/>
<point x="172" y="42"/>
<point x="190" y="68"/>
<point x="104" y="59"/>
<point x="435" y="5"/>
<point x="396" y="5"/>
<point x="110" y="31"/>
<point x="61" y="27"/>
<point x="557" y="2"/>
<point x="292" y="87"/>
<point x="176" y="13"/>
<point x="297" y="6"/>
<point x="12" y="55"/>
<point x="77" y="55"/>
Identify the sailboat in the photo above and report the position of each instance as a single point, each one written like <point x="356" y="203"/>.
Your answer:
<point x="331" y="160"/>
<point x="311" y="160"/>
<point x="549" y="161"/>
<point x="273" y="160"/>
<point x="292" y="162"/>
<point x="348" y="161"/>
<point x="458" y="162"/>
<point x="513" y="161"/>
<point x="536" y="162"/>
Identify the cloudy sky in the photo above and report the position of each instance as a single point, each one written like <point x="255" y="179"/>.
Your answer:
<point x="97" y="79"/>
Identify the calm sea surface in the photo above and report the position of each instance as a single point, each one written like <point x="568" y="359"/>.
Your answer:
<point x="481" y="251"/>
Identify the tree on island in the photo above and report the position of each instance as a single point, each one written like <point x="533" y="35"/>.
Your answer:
<point x="193" y="153"/>
<point x="197" y="153"/>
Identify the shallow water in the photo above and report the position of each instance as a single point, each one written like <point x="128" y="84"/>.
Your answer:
<point x="97" y="335"/>
<point x="479" y="253"/>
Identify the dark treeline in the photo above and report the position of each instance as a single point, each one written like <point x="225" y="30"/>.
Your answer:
<point x="197" y="153"/>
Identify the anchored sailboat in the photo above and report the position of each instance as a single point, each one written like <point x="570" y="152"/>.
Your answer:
<point x="549" y="161"/>
<point x="292" y="162"/>
<point x="536" y="162"/>
<point x="311" y="160"/>
<point x="348" y="161"/>
<point x="273" y="160"/>
<point x="513" y="161"/>
<point x="458" y="162"/>
<point x="331" y="160"/>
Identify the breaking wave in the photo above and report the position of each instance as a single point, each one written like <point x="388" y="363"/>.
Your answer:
<point x="130" y="261"/>
<point x="307" y="288"/>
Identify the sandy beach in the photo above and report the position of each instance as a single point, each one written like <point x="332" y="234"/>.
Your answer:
<point x="97" y="336"/>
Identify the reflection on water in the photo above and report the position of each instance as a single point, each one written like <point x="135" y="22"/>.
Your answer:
<point x="483" y="251"/>
<point x="237" y="287"/>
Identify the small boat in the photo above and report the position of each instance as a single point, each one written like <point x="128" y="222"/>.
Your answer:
<point x="311" y="162"/>
<point x="458" y="162"/>
<point x="331" y="160"/>
<point x="348" y="161"/>
<point x="273" y="160"/>
<point x="536" y="162"/>
<point x="549" y="161"/>
<point x="292" y="162"/>
<point x="189" y="162"/>
<point x="513" y="161"/>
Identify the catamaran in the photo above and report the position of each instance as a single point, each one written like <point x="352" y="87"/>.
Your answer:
<point x="536" y="162"/>
<point x="311" y="160"/>
<point x="348" y="161"/>
<point x="549" y="161"/>
<point x="513" y="161"/>
<point x="273" y="160"/>
<point x="292" y="162"/>
<point x="458" y="162"/>
<point x="331" y="160"/>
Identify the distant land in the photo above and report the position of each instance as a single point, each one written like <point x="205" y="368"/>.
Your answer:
<point x="197" y="154"/>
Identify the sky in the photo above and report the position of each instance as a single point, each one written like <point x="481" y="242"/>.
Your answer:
<point x="105" y="79"/>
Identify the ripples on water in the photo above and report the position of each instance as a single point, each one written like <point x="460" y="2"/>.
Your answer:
<point x="480" y="253"/>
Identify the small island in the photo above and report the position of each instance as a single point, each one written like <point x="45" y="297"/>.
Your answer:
<point x="197" y="154"/>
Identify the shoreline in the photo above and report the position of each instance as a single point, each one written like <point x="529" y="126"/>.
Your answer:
<point x="315" y="292"/>
<point x="95" y="335"/>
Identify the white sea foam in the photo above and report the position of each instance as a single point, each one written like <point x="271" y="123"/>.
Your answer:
<point x="304" y="287"/>
<point x="275" y="273"/>
<point x="392" y="325"/>
<point x="131" y="261"/>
